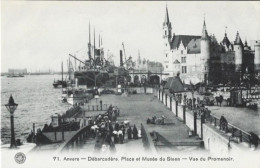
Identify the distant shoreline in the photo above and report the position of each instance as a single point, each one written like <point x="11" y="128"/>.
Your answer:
<point x="37" y="73"/>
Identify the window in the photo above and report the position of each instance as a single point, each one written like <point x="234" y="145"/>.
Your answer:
<point x="181" y="51"/>
<point x="166" y="66"/>
<point x="183" y="59"/>
<point x="165" y="32"/>
<point x="183" y="69"/>
<point x="166" y="55"/>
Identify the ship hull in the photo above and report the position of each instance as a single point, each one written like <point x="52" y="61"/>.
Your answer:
<point x="91" y="78"/>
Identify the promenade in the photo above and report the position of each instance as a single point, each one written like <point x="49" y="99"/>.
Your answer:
<point x="243" y="118"/>
<point x="136" y="109"/>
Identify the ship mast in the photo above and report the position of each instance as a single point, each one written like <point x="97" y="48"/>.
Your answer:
<point x="94" y="49"/>
<point x="89" y="43"/>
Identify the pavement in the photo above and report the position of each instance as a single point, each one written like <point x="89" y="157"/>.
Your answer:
<point x="241" y="117"/>
<point x="137" y="108"/>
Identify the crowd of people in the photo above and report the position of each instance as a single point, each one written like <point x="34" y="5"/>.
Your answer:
<point x="107" y="131"/>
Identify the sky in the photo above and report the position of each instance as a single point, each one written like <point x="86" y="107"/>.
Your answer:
<point x="38" y="35"/>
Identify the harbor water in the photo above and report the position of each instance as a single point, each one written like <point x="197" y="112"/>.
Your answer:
<point x="37" y="100"/>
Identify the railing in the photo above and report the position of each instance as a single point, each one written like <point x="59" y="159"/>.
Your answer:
<point x="204" y="115"/>
<point x="145" y="140"/>
<point x="104" y="107"/>
<point x="229" y="128"/>
<point x="76" y="140"/>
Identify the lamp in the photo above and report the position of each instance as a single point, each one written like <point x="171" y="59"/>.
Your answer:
<point x="11" y="107"/>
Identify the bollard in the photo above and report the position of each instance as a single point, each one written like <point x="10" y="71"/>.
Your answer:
<point x="176" y="108"/>
<point x="166" y="100"/>
<point x="184" y="114"/>
<point x="195" y="123"/>
<point x="162" y="96"/>
<point x="170" y="103"/>
<point x="201" y="126"/>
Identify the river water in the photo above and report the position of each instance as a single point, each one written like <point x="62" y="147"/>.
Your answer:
<point x="37" y="100"/>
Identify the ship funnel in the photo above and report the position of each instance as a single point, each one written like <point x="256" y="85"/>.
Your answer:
<point x="121" y="58"/>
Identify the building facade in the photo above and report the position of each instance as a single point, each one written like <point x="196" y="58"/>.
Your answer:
<point x="203" y="59"/>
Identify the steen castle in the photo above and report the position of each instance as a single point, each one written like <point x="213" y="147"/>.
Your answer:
<point x="203" y="59"/>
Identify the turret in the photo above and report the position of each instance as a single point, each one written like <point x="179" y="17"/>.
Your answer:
<point x="167" y="30"/>
<point x="246" y="46"/>
<point x="205" y="51"/>
<point x="205" y="43"/>
<point x="238" y="48"/>
<point x="226" y="43"/>
<point x="257" y="57"/>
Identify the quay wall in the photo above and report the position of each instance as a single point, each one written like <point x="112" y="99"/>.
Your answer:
<point x="215" y="141"/>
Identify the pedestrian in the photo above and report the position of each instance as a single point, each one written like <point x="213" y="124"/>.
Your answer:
<point x="116" y="139"/>
<point x="129" y="133"/>
<point x="100" y="104"/>
<point x="135" y="133"/>
<point x="123" y="130"/>
<point x="120" y="134"/>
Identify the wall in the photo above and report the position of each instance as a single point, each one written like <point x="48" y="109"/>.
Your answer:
<point x="140" y="90"/>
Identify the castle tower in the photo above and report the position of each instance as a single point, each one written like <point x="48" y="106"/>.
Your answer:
<point x="238" y="48"/>
<point x="257" y="58"/>
<point x="167" y="30"/>
<point x="205" y="52"/>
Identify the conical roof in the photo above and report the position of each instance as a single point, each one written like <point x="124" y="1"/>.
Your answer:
<point x="238" y="40"/>
<point x="226" y="41"/>
<point x="205" y="35"/>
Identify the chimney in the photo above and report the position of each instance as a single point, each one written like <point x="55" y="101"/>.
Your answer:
<point x="121" y="58"/>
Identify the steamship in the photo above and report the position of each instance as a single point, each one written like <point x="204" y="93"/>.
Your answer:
<point x="93" y="72"/>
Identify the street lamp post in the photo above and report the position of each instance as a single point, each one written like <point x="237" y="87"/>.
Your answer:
<point x="11" y="107"/>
